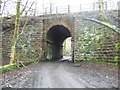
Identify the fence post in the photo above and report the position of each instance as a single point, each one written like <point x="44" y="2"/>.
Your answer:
<point x="46" y="10"/>
<point x="118" y="4"/>
<point x="35" y="9"/>
<point x="93" y="6"/>
<point x="56" y="10"/>
<point x="68" y="8"/>
<point x="50" y="8"/>
<point x="80" y="7"/>
<point x="105" y="5"/>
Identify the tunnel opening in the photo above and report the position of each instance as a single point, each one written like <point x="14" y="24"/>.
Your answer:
<point x="67" y="51"/>
<point x="55" y="38"/>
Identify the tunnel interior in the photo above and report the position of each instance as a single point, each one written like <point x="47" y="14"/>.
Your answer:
<point x="55" y="38"/>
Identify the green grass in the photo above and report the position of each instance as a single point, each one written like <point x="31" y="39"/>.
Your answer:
<point x="114" y="64"/>
<point x="7" y="68"/>
<point x="14" y="66"/>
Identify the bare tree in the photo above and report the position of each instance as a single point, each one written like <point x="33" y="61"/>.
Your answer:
<point x="101" y="9"/>
<point x="17" y="24"/>
<point x="0" y="4"/>
<point x="24" y="7"/>
<point x="16" y="30"/>
<point x="4" y="4"/>
<point x="0" y="35"/>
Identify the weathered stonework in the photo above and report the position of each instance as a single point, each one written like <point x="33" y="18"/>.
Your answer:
<point x="38" y="38"/>
<point x="69" y="25"/>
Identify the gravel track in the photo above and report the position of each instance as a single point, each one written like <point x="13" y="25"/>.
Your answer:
<point x="62" y="75"/>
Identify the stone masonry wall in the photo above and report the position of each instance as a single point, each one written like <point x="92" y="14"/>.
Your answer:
<point x="33" y="35"/>
<point x="95" y="41"/>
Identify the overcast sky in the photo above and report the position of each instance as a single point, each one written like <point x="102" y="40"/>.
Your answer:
<point x="10" y="7"/>
<point x="65" y="2"/>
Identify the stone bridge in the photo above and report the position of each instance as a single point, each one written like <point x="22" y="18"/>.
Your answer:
<point x="43" y="36"/>
<point x="56" y="30"/>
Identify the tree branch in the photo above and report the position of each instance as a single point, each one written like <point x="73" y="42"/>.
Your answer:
<point x="24" y="7"/>
<point x="114" y="28"/>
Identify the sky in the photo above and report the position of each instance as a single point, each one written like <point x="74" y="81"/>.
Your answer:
<point x="65" y="2"/>
<point x="86" y="4"/>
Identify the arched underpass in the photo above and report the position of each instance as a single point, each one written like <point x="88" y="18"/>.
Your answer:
<point x="55" y="38"/>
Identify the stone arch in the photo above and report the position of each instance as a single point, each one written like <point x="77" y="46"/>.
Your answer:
<point x="63" y="23"/>
<point x="68" y="30"/>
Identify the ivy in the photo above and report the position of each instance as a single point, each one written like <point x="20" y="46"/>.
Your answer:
<point x="24" y="43"/>
<point x="93" y="38"/>
<point x="116" y="58"/>
<point x="117" y="46"/>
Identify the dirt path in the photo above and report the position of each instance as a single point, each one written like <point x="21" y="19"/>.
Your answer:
<point x="62" y="75"/>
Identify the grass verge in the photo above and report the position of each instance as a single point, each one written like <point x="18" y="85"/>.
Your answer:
<point x="114" y="64"/>
<point x="10" y="67"/>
